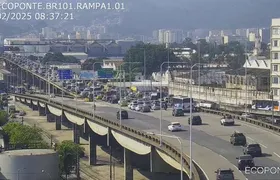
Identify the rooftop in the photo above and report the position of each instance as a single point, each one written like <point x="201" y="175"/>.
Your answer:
<point x="25" y="152"/>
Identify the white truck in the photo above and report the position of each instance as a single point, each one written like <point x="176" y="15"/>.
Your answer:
<point x="227" y="120"/>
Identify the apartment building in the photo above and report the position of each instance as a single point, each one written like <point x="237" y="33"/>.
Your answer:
<point x="275" y="56"/>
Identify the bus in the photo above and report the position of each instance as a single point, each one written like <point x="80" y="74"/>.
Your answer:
<point x="265" y="105"/>
<point x="185" y="101"/>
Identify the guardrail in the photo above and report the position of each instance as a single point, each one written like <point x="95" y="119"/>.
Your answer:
<point x="54" y="84"/>
<point x="266" y="125"/>
<point x="128" y="131"/>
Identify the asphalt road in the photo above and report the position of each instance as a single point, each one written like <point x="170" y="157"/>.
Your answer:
<point x="211" y="135"/>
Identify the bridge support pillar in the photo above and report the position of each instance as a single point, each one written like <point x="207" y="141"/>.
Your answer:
<point x="57" y="122"/>
<point x="128" y="170"/>
<point x="158" y="165"/>
<point x="50" y="117"/>
<point x="92" y="148"/>
<point x="42" y="111"/>
<point x="34" y="107"/>
<point x="76" y="134"/>
<point x="65" y="122"/>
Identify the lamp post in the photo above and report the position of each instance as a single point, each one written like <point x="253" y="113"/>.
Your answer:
<point x="122" y="75"/>
<point x="160" y="122"/>
<point x="49" y="84"/>
<point x="43" y="171"/>
<point x="18" y="172"/>
<point x="191" y="101"/>
<point x="181" y="150"/>
<point x="93" y="96"/>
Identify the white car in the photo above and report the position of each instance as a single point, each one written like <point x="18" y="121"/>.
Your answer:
<point x="133" y="106"/>
<point x="246" y="115"/>
<point x="175" y="126"/>
<point x="227" y="120"/>
<point x="138" y="107"/>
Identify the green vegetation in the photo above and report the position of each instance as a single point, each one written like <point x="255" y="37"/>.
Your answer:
<point x="3" y="118"/>
<point x="88" y="64"/>
<point x="67" y="151"/>
<point x="18" y="134"/>
<point x="58" y="58"/>
<point x="155" y="55"/>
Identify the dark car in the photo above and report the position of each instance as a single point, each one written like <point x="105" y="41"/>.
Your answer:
<point x="124" y="114"/>
<point x="245" y="161"/>
<point x="196" y="120"/>
<point x="253" y="150"/>
<point x="224" y="174"/>
<point x="178" y="112"/>
<point x="238" y="139"/>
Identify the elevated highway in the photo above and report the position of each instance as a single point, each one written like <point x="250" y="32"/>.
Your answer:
<point x="211" y="140"/>
<point x="139" y="147"/>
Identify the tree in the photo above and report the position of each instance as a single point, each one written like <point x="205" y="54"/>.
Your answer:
<point x="67" y="151"/>
<point x="3" y="118"/>
<point x="19" y="134"/>
<point x="88" y="64"/>
<point x="155" y="55"/>
<point x="58" y="57"/>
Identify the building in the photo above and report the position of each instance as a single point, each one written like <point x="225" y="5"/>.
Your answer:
<point x="274" y="55"/>
<point x="161" y="35"/>
<point x="241" y="32"/>
<point x="29" y="164"/>
<point x="252" y="37"/>
<point x="241" y="39"/>
<point x="215" y="39"/>
<point x="126" y="44"/>
<point x="113" y="63"/>
<point x="214" y="33"/>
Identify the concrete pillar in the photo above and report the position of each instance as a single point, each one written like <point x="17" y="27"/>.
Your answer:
<point x="128" y="170"/>
<point x="57" y="122"/>
<point x="76" y="134"/>
<point x="50" y="117"/>
<point x="34" y="107"/>
<point x="42" y="111"/>
<point x="92" y="148"/>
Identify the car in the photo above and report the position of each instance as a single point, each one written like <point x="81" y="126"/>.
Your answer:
<point x="139" y="106"/>
<point x="246" y="115"/>
<point x="133" y="105"/>
<point x="227" y="120"/>
<point x="146" y="109"/>
<point x="245" y="161"/>
<point x="22" y="113"/>
<point x="175" y="126"/>
<point x="238" y="139"/>
<point x="254" y="150"/>
<point x="196" y="120"/>
<point x="124" y="114"/>
<point x="156" y="105"/>
<point x="177" y="112"/>
<point x="224" y="174"/>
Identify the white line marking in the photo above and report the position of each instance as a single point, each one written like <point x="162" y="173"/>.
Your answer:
<point x="202" y="170"/>
<point x="236" y="167"/>
<point x="263" y="145"/>
<point x="250" y="138"/>
<point x="223" y="157"/>
<point x="276" y="154"/>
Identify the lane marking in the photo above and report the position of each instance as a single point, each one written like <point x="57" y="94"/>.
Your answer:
<point x="250" y="138"/>
<point x="276" y="154"/>
<point x="236" y="167"/>
<point x="223" y="157"/>
<point x="202" y="170"/>
<point x="262" y="145"/>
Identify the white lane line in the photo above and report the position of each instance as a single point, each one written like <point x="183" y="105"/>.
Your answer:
<point x="262" y="145"/>
<point x="276" y="154"/>
<point x="250" y="138"/>
<point x="236" y="167"/>
<point x="202" y="170"/>
<point x="223" y="157"/>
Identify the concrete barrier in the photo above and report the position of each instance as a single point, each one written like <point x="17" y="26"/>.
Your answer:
<point x="126" y="130"/>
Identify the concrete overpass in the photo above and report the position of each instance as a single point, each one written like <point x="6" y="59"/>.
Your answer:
<point x="210" y="143"/>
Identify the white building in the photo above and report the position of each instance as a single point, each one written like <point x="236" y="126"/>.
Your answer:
<point x="275" y="56"/>
<point x="161" y="35"/>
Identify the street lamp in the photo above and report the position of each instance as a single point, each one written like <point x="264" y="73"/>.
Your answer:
<point x="181" y="149"/>
<point x="18" y="172"/>
<point x="43" y="171"/>
<point x="93" y="97"/>
<point x="160" y="122"/>
<point x="191" y="117"/>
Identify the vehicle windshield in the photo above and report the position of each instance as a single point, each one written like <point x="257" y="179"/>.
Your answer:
<point x="226" y="175"/>
<point x="176" y="124"/>
<point x="253" y="146"/>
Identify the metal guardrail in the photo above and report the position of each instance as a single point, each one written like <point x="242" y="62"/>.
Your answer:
<point x="54" y="84"/>
<point x="128" y="131"/>
<point x="249" y="120"/>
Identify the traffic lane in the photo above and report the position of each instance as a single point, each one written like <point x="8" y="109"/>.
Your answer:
<point x="215" y="144"/>
<point x="201" y="154"/>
